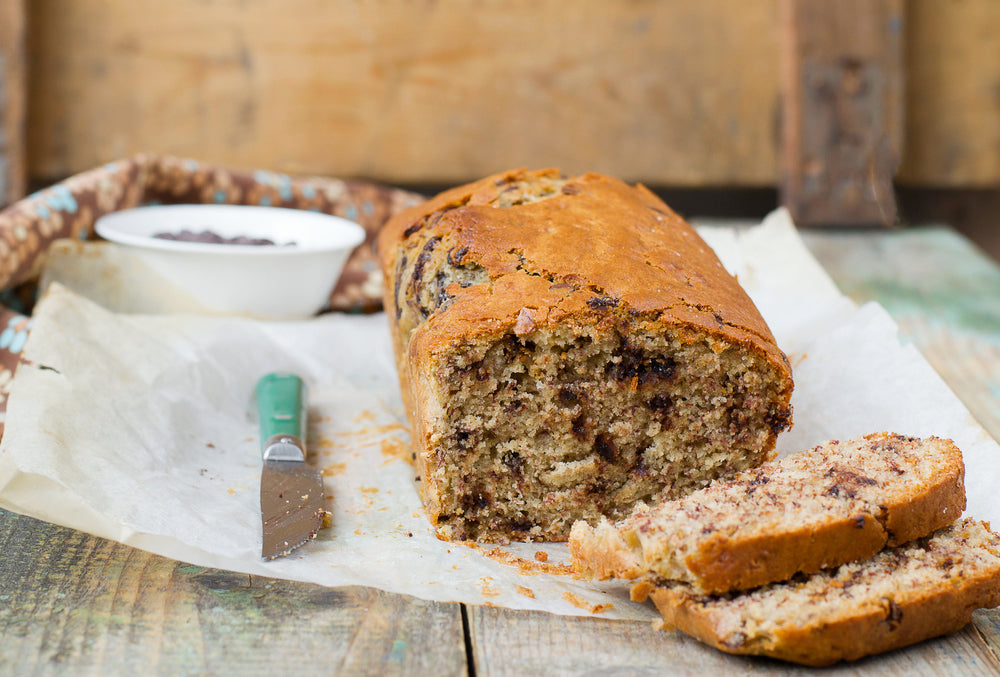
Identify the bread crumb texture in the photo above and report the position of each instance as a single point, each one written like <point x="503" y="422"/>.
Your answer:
<point x="568" y="347"/>
<point x="838" y="502"/>
<point x="903" y="595"/>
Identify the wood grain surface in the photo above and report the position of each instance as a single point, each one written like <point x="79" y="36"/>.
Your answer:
<point x="72" y="604"/>
<point x="13" y="100"/>
<point x="842" y="110"/>
<point x="408" y="91"/>
<point x="513" y="643"/>
<point x="952" y="113"/>
<point x="944" y="294"/>
<point x="680" y="93"/>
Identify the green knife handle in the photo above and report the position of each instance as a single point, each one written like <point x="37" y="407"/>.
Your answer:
<point x="281" y="410"/>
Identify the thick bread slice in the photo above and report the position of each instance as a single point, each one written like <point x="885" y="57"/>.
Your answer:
<point x="927" y="588"/>
<point x="838" y="502"/>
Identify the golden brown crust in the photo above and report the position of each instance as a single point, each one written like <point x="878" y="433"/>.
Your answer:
<point x="661" y="267"/>
<point x="660" y="264"/>
<point x="724" y="564"/>
<point x="522" y="252"/>
<point x="721" y="565"/>
<point x="860" y="626"/>
<point x="917" y="514"/>
<point x="922" y="491"/>
<point x="863" y="632"/>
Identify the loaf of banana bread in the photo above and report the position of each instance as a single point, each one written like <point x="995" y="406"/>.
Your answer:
<point x="838" y="502"/>
<point x="568" y="347"/>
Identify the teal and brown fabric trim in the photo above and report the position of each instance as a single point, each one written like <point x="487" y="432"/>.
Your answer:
<point x="69" y="209"/>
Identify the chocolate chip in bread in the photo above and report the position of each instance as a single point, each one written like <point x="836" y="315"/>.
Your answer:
<point x="904" y="595"/>
<point x="838" y="502"/>
<point x="568" y="347"/>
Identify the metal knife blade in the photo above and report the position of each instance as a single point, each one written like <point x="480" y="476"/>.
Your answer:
<point x="291" y="491"/>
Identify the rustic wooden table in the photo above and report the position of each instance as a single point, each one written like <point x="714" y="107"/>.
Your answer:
<point x="74" y="604"/>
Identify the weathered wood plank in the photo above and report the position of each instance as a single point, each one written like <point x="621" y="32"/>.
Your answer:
<point x="513" y="643"/>
<point x="682" y="93"/>
<point x="944" y="294"/>
<point x="952" y="94"/>
<point x="842" y="109"/>
<point x="74" y="604"/>
<point x="13" y="99"/>
<point x="516" y="643"/>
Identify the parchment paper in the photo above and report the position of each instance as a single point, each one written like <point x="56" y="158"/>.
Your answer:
<point x="140" y="428"/>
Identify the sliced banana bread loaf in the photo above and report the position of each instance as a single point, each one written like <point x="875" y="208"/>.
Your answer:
<point x="838" y="502"/>
<point x="568" y="347"/>
<point x="902" y="596"/>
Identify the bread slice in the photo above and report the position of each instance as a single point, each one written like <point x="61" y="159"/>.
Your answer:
<point x="904" y="595"/>
<point x="839" y="502"/>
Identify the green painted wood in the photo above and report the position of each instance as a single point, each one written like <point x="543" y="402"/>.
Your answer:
<point x="942" y="291"/>
<point x="929" y="272"/>
<point x="73" y="604"/>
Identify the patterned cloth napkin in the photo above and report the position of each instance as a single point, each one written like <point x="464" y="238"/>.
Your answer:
<point x="70" y="208"/>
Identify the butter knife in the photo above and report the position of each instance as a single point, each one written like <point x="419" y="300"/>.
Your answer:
<point x="291" y="491"/>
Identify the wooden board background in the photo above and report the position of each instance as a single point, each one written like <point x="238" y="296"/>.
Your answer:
<point x="841" y="90"/>
<point x="953" y="94"/>
<point x="681" y="93"/>
<point x="13" y="95"/>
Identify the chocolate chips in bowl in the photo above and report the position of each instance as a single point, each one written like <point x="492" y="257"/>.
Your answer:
<point x="214" y="238"/>
<point x="263" y="262"/>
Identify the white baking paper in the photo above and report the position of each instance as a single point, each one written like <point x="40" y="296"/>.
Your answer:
<point x="140" y="428"/>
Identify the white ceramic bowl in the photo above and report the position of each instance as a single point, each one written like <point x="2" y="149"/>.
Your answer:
<point x="291" y="279"/>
